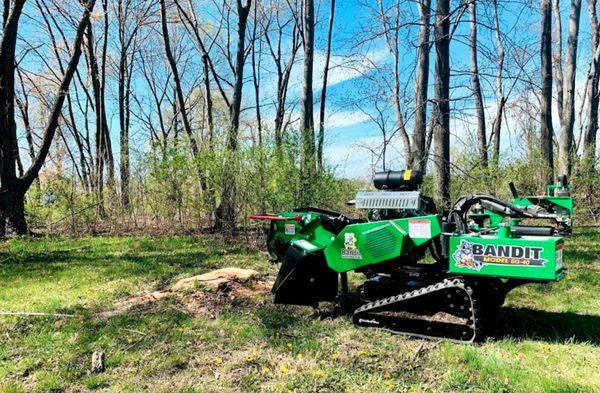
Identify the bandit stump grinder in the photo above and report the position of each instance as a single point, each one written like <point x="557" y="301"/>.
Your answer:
<point x="426" y="274"/>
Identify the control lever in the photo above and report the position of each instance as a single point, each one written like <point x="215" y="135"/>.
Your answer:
<point x="513" y="190"/>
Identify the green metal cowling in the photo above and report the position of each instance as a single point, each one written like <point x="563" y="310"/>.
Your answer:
<point x="370" y="243"/>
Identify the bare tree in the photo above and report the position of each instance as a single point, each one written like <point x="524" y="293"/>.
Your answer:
<point x="321" y="135"/>
<point x="565" y="147"/>
<point x="546" y="130"/>
<point x="390" y="25"/>
<point x="441" y="107"/>
<point x="13" y="188"/>
<point x="191" y="20"/>
<point x="307" y="125"/>
<point x="476" y="87"/>
<point x="558" y="60"/>
<point x="500" y="98"/>
<point x="130" y="17"/>
<point x="284" y="25"/>
<point x="419" y="151"/>
<point x="591" y="127"/>
<point x="177" y="81"/>
<point x="225" y="213"/>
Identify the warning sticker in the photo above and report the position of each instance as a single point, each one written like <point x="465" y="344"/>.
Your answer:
<point x="419" y="229"/>
<point x="308" y="246"/>
<point x="290" y="229"/>
<point x="559" y="257"/>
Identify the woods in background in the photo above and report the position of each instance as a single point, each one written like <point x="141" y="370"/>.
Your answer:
<point x="195" y="113"/>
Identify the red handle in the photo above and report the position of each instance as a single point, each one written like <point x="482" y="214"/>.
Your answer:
<point x="267" y="217"/>
<point x="272" y="217"/>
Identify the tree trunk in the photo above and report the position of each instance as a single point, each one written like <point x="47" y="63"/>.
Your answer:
<point x="476" y="86"/>
<point x="501" y="100"/>
<point x="546" y="130"/>
<point x="558" y="62"/>
<point x="419" y="153"/>
<point x="591" y="127"/>
<point x="225" y="214"/>
<point x="100" y="120"/>
<point x="12" y="214"/>
<point x="565" y="147"/>
<point x="13" y="189"/>
<point x="321" y="135"/>
<point x="109" y="158"/>
<point x="441" y="108"/>
<point x="124" y="129"/>
<point x="306" y="105"/>
<point x="177" y="81"/>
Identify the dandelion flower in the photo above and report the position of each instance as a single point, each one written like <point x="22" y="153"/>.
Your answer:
<point x="266" y="370"/>
<point x="249" y="358"/>
<point x="284" y="369"/>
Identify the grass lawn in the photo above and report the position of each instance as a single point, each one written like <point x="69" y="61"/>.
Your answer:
<point x="551" y="342"/>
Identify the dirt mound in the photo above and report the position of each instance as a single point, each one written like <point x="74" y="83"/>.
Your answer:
<point x="203" y="295"/>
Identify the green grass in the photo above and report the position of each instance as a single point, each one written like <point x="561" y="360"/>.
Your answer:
<point x="550" y="343"/>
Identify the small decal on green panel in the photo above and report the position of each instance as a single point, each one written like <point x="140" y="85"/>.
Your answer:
<point x="419" y="229"/>
<point x="475" y="256"/>
<point x="308" y="246"/>
<point x="290" y="229"/>
<point x="350" y="251"/>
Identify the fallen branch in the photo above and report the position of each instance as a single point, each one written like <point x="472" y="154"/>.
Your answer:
<point x="36" y="314"/>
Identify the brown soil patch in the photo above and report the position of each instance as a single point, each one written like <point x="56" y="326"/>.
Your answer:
<point x="203" y="295"/>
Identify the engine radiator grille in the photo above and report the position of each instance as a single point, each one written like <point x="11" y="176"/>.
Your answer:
<point x="388" y="200"/>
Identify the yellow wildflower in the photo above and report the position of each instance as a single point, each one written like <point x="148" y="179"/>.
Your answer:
<point x="284" y="369"/>
<point x="389" y="384"/>
<point x="249" y="358"/>
<point x="290" y="345"/>
<point x="266" y="370"/>
<point x="335" y="356"/>
<point x="387" y="375"/>
<point x="218" y="361"/>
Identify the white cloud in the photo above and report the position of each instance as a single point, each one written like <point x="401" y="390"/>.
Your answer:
<point x="345" y="119"/>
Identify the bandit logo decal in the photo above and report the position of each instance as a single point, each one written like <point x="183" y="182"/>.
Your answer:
<point x="464" y="256"/>
<point x="475" y="256"/>
<point x="350" y="251"/>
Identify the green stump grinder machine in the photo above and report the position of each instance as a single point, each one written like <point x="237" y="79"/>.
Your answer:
<point x="426" y="274"/>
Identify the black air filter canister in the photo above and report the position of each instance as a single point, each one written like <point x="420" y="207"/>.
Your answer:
<point x="407" y="180"/>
